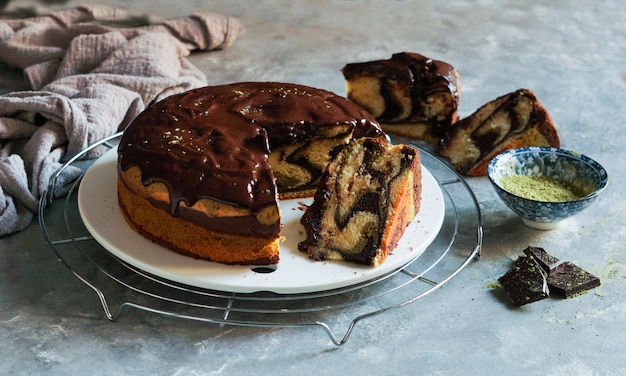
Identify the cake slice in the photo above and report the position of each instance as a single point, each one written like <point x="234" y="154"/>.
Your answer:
<point x="513" y="120"/>
<point x="409" y="94"/>
<point x="367" y="196"/>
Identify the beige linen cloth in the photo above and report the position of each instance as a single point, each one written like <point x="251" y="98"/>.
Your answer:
<point x="85" y="76"/>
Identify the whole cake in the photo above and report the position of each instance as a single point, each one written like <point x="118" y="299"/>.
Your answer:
<point x="367" y="197"/>
<point x="513" y="120"/>
<point x="409" y="94"/>
<point x="201" y="172"/>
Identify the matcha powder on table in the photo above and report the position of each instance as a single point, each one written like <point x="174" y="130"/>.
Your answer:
<point x="539" y="188"/>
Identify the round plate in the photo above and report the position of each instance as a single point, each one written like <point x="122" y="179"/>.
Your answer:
<point x="295" y="273"/>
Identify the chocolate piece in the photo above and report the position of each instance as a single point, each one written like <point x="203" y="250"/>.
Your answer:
<point x="548" y="262"/>
<point x="564" y="278"/>
<point x="569" y="280"/>
<point x="525" y="282"/>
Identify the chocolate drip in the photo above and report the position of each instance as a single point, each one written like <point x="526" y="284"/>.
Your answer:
<point x="429" y="78"/>
<point x="244" y="225"/>
<point x="213" y="142"/>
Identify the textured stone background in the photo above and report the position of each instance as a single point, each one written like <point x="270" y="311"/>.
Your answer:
<point x="571" y="53"/>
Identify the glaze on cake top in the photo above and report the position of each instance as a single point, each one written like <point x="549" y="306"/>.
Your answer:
<point x="214" y="142"/>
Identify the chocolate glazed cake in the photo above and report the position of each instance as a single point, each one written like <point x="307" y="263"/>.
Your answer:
<point x="368" y="195"/>
<point x="409" y="94"/>
<point x="201" y="172"/>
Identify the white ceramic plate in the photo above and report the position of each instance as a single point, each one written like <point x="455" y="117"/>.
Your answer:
<point x="295" y="273"/>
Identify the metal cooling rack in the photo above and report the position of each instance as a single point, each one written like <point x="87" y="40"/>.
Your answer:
<point x="121" y="286"/>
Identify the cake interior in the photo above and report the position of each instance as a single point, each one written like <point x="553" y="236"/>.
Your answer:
<point x="368" y="195"/>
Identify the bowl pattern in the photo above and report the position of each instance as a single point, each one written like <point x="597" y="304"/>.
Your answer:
<point x="581" y="172"/>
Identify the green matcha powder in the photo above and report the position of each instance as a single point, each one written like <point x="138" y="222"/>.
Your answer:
<point x="540" y="188"/>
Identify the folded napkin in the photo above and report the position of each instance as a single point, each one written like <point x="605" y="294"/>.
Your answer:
<point x="85" y="75"/>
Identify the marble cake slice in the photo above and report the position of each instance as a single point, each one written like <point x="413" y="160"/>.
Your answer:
<point x="409" y="94"/>
<point x="367" y="197"/>
<point x="513" y="120"/>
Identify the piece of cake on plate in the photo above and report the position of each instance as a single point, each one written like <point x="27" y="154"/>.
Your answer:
<point x="367" y="197"/>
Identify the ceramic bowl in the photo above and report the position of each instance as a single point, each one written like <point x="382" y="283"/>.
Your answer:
<point x="586" y="176"/>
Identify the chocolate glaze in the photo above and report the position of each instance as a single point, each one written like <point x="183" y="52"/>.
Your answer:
<point x="422" y="76"/>
<point x="244" y="225"/>
<point x="213" y="142"/>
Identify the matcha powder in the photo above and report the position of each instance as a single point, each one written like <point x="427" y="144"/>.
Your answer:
<point x="539" y="188"/>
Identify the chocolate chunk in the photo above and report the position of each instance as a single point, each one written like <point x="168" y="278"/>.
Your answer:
<point x="569" y="280"/>
<point x="564" y="278"/>
<point x="548" y="262"/>
<point x="525" y="282"/>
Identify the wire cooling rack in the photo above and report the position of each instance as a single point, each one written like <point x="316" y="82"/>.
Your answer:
<point x="121" y="286"/>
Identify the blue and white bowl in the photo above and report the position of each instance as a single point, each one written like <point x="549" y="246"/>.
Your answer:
<point x="574" y="169"/>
